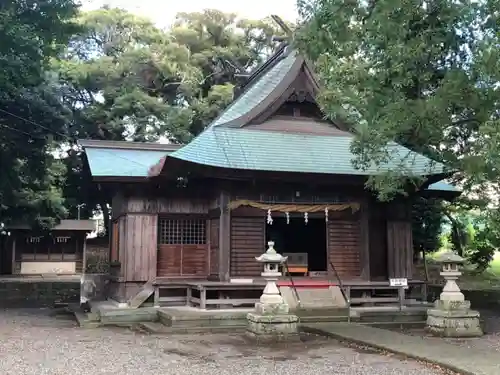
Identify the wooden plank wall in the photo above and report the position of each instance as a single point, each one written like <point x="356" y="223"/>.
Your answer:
<point x="248" y="238"/>
<point x="170" y="206"/>
<point x="140" y="239"/>
<point x="214" y="246"/>
<point x="182" y="260"/>
<point x="344" y="244"/>
<point x="399" y="249"/>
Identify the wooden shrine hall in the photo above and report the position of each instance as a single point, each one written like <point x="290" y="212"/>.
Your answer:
<point x="268" y="168"/>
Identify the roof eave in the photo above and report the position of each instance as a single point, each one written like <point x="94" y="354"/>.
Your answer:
<point x="127" y="145"/>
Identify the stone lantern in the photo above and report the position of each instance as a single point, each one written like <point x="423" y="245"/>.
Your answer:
<point x="450" y="270"/>
<point x="451" y="315"/>
<point x="271" y="319"/>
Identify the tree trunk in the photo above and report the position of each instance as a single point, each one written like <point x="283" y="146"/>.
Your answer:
<point x="106" y="217"/>
<point x="426" y="269"/>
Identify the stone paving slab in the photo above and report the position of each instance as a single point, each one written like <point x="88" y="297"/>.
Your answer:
<point x="467" y="361"/>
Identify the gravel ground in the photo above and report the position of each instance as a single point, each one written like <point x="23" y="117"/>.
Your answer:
<point x="35" y="342"/>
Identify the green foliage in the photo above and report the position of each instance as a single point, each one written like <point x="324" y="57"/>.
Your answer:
<point x="32" y="118"/>
<point x="422" y="74"/>
<point x="461" y="235"/>
<point x="427" y="222"/>
<point x="126" y="79"/>
<point x="474" y="234"/>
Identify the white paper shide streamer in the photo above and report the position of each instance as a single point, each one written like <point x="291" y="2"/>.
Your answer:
<point x="287" y="214"/>
<point x="269" y="217"/>
<point x="306" y="217"/>
<point x="326" y="214"/>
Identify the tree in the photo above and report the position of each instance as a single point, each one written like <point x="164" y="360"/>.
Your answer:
<point x="475" y="235"/>
<point x="427" y="222"/>
<point x="126" y="79"/>
<point x="422" y="73"/>
<point x="32" y="119"/>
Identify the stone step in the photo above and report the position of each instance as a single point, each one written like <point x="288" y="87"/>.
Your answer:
<point x="157" y="328"/>
<point x="127" y="315"/>
<point x="318" y="297"/>
<point x="180" y="318"/>
<point x="394" y="316"/>
<point x="405" y="324"/>
<point x="83" y="320"/>
<point x="314" y="311"/>
<point x="323" y="319"/>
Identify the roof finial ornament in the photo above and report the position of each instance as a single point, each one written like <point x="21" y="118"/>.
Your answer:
<point x="288" y="32"/>
<point x="286" y="39"/>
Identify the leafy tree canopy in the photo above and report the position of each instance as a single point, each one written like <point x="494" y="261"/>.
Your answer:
<point x="32" y="118"/>
<point x="126" y="79"/>
<point x="423" y="73"/>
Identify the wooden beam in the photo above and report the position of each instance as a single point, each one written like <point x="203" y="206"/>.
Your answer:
<point x="224" y="237"/>
<point x="364" y="255"/>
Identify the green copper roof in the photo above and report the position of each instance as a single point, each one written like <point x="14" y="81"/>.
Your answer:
<point x="443" y="186"/>
<point x="244" y="148"/>
<point x="258" y="91"/>
<point x="106" y="162"/>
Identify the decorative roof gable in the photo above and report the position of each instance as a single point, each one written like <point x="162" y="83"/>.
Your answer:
<point x="259" y="94"/>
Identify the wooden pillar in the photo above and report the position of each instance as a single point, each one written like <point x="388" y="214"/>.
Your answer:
<point x="84" y="253"/>
<point x="364" y="256"/>
<point x="399" y="240"/>
<point x="13" y="261"/>
<point x="224" y="237"/>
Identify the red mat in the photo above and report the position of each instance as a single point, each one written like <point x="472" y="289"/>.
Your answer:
<point x="315" y="284"/>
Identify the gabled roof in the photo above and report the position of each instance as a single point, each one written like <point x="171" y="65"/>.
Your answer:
<point x="228" y="143"/>
<point x="261" y="150"/>
<point x="277" y="78"/>
<point x="123" y="159"/>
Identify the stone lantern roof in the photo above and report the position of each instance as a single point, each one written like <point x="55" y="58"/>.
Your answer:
<point x="271" y="256"/>
<point x="450" y="257"/>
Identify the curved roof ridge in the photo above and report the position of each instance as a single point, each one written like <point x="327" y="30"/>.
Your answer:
<point x="255" y="94"/>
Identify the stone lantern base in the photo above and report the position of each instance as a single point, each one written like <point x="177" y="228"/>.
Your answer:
<point x="272" y="323"/>
<point x="453" y="319"/>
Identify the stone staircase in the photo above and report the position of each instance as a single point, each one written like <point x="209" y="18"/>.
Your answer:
<point x="313" y="297"/>
<point x="179" y="321"/>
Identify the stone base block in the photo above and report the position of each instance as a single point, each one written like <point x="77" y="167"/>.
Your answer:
<point x="454" y="323"/>
<point x="271" y="309"/>
<point x="272" y="327"/>
<point x="452" y="305"/>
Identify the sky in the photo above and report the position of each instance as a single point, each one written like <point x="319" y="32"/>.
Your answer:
<point x="163" y="12"/>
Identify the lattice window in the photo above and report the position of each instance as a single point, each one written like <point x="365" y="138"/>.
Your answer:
<point x="182" y="231"/>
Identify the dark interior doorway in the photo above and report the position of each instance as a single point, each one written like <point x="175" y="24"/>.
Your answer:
<point x="5" y="256"/>
<point x="299" y="237"/>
